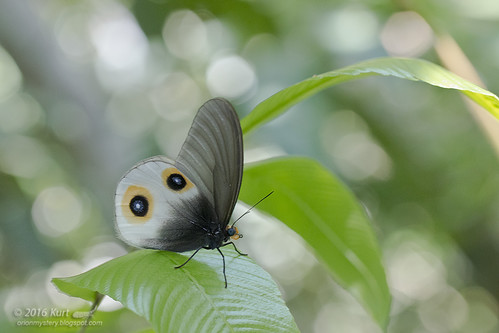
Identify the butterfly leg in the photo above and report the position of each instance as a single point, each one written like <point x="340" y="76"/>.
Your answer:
<point x="189" y="258"/>
<point x="235" y="248"/>
<point x="195" y="252"/>
<point x="223" y="260"/>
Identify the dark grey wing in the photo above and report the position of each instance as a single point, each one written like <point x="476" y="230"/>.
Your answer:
<point x="212" y="155"/>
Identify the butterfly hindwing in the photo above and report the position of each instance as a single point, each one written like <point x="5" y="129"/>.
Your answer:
<point x="154" y="211"/>
<point x="185" y="204"/>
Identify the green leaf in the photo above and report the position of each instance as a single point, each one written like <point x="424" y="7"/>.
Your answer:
<point x="189" y="299"/>
<point x="317" y="206"/>
<point x="410" y="69"/>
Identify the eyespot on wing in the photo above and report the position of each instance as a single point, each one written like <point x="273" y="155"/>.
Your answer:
<point x="130" y="205"/>
<point x="176" y="181"/>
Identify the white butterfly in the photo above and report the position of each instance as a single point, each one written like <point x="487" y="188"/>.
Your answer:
<point x="186" y="204"/>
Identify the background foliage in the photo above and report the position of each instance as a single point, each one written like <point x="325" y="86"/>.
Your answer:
<point x="89" y="88"/>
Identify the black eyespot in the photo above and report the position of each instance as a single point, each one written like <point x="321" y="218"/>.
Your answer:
<point x="176" y="182"/>
<point x="139" y="205"/>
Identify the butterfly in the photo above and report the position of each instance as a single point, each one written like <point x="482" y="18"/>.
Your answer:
<point x="186" y="204"/>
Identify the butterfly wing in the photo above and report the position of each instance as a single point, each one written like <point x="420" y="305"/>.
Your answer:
<point x="212" y="156"/>
<point x="152" y="211"/>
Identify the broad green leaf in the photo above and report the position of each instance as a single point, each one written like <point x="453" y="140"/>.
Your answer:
<point x="410" y="69"/>
<point x="312" y="202"/>
<point x="189" y="299"/>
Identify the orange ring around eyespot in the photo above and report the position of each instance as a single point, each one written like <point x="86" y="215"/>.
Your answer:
<point x="130" y="193"/>
<point x="169" y="171"/>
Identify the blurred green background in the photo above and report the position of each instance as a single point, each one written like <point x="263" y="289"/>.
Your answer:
<point x="89" y="88"/>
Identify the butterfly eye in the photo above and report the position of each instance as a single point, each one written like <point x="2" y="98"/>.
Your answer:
<point x="176" y="182"/>
<point x="233" y="233"/>
<point x="139" y="205"/>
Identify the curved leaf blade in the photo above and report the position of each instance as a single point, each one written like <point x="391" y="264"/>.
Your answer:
<point x="410" y="69"/>
<point x="309" y="200"/>
<point x="190" y="299"/>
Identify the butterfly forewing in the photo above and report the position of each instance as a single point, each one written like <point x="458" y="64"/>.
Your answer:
<point x="212" y="156"/>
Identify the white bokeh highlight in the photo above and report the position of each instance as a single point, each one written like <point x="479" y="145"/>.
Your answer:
<point x="57" y="211"/>
<point x="230" y="76"/>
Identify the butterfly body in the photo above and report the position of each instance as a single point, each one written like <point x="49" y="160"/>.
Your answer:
<point x="186" y="204"/>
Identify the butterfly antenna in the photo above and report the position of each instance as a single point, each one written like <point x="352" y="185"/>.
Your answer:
<point x="265" y="197"/>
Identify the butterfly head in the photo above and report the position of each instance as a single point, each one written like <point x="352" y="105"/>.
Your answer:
<point x="233" y="233"/>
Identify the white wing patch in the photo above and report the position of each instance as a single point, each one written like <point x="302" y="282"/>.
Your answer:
<point x="147" y="196"/>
